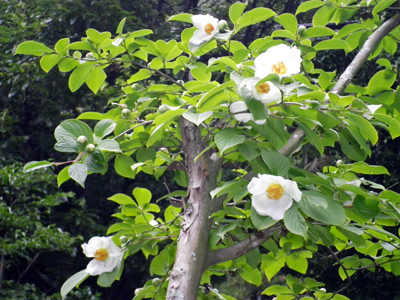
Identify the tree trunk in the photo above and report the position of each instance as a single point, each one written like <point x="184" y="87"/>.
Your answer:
<point x="190" y="260"/>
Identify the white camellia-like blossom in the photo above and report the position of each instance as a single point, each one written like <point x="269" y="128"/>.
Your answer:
<point x="273" y="195"/>
<point x="239" y="111"/>
<point x="207" y="28"/>
<point x="107" y="255"/>
<point x="281" y="59"/>
<point x="265" y="92"/>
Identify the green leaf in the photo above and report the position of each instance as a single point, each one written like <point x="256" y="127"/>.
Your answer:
<point x="63" y="176"/>
<point x="104" y="128"/>
<point x="47" y="62"/>
<point x="366" y="207"/>
<point x="123" y="165"/>
<point x="323" y="15"/>
<point x="350" y="146"/>
<point x="120" y="27"/>
<point x="223" y="60"/>
<point x="66" y="145"/>
<point x="35" y="165"/>
<point x="288" y="21"/>
<point x="67" y="64"/>
<point x="367" y="130"/>
<point x="333" y="44"/>
<point x="364" y="168"/>
<point x="140" y="33"/>
<point x="309" y="5"/>
<point x="236" y="10"/>
<point x="312" y="137"/>
<point x="109" y="145"/>
<point x="276" y="290"/>
<point x="214" y="97"/>
<point x="318" y="31"/>
<point x="96" y="79"/>
<point x="254" y="16"/>
<point x="106" y="279"/>
<point x="227" y="138"/>
<point x="251" y="276"/>
<point x="156" y="135"/>
<point x="277" y="163"/>
<point x="73" y="129"/>
<point x="394" y="125"/>
<point x="160" y="264"/>
<point x="382" y="5"/>
<point x="141" y="75"/>
<point x="142" y="196"/>
<point x="381" y="81"/>
<point x="196" y="118"/>
<point x="97" y="37"/>
<point x="168" y="116"/>
<point x="32" y="48"/>
<point x="316" y="198"/>
<point x="295" y="222"/>
<point x="74" y="281"/>
<point x="122" y="199"/>
<point x="79" y="76"/>
<point x="249" y="150"/>
<point x="181" y="17"/>
<point x="261" y="222"/>
<point x="333" y="214"/>
<point x="78" y="172"/>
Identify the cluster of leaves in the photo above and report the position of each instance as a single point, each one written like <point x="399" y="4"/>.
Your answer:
<point x="143" y="132"/>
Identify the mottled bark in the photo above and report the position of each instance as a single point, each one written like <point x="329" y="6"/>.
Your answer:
<point x="190" y="260"/>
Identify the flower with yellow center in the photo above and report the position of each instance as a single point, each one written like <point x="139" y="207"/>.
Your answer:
<point x="265" y="92"/>
<point x="281" y="59"/>
<point x="106" y="255"/>
<point x="273" y="195"/>
<point x="207" y="29"/>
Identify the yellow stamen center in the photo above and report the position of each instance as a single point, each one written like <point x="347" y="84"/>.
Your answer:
<point x="263" y="88"/>
<point x="279" y="68"/>
<point x="208" y="28"/>
<point x="101" y="255"/>
<point x="274" y="191"/>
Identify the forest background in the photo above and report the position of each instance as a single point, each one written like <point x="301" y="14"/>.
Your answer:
<point x="42" y="226"/>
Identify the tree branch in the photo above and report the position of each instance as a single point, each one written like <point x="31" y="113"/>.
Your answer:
<point x="254" y="241"/>
<point x="344" y="80"/>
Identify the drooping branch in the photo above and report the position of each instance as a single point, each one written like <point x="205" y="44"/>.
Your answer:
<point x="344" y="80"/>
<point x="254" y="241"/>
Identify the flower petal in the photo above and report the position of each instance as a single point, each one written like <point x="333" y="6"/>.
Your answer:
<point x="273" y="208"/>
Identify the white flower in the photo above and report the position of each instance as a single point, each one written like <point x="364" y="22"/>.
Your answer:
<point x="237" y="108"/>
<point x="373" y="108"/>
<point x="207" y="28"/>
<point x="273" y="195"/>
<point x="117" y="42"/>
<point x="281" y="59"/>
<point x="265" y="92"/>
<point x="239" y="111"/>
<point x="106" y="255"/>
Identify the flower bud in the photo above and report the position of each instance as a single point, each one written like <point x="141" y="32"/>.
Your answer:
<point x="339" y="162"/>
<point x="322" y="290"/>
<point x="77" y="54"/>
<point x="222" y="25"/>
<point x="82" y="139"/>
<point x="180" y="82"/>
<point x="136" y="86"/>
<point x="138" y="291"/>
<point x="156" y="282"/>
<point x="126" y="112"/>
<point x="90" y="148"/>
<point x="89" y="55"/>
<point x="301" y="29"/>
<point x="123" y="239"/>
